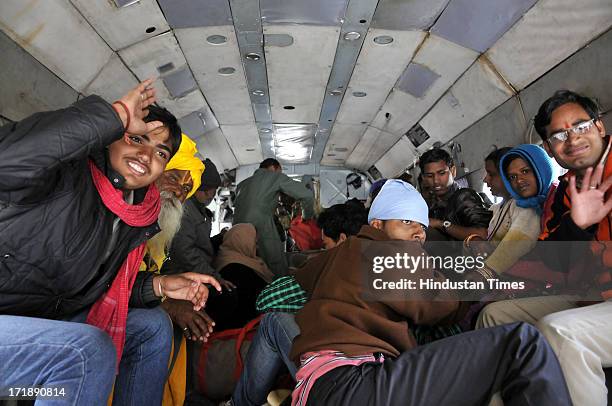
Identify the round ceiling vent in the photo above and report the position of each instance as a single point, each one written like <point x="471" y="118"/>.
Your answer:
<point x="227" y="70"/>
<point x="383" y="39"/>
<point x="216" y="39"/>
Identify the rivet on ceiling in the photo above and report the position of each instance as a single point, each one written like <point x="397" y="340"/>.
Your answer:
<point x="289" y="107"/>
<point x="259" y="93"/>
<point x="359" y="94"/>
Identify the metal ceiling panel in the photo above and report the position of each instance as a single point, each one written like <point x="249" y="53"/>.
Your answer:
<point x="196" y="13"/>
<point x="293" y="143"/>
<point x="291" y="85"/>
<point x="244" y="141"/>
<point x="44" y="28"/>
<point x="478" y="24"/>
<point x="377" y="70"/>
<point x="226" y="94"/>
<point x="313" y="12"/>
<point x="122" y="27"/>
<point x="27" y="86"/>
<point x="550" y="32"/>
<point x="397" y="159"/>
<point x="416" y="80"/>
<point x="198" y="123"/>
<point x="113" y="81"/>
<point x="371" y="147"/>
<point x="182" y="106"/>
<point x="444" y="58"/>
<point x="587" y="72"/>
<point x="476" y="93"/>
<point x="503" y="127"/>
<point x="162" y="53"/>
<point x="179" y="82"/>
<point x="214" y="145"/>
<point x="407" y="15"/>
<point x="342" y="142"/>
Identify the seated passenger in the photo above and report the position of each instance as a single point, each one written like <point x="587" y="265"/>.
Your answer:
<point x="238" y="264"/>
<point x="514" y="229"/>
<point x="454" y="212"/>
<point x="269" y="351"/>
<point x="581" y="210"/>
<point x="77" y="204"/>
<point x="357" y="349"/>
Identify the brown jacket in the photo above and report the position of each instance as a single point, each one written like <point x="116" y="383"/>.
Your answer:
<point x="340" y="317"/>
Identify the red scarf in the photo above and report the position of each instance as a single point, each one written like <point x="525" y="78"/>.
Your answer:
<point x="109" y="313"/>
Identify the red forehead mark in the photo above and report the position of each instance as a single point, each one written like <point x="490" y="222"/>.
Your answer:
<point x="567" y="126"/>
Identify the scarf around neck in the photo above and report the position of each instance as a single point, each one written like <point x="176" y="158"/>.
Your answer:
<point x="109" y="313"/>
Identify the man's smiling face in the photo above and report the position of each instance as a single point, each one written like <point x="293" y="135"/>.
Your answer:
<point x="141" y="159"/>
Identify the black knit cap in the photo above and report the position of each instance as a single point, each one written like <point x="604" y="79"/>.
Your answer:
<point x="210" y="177"/>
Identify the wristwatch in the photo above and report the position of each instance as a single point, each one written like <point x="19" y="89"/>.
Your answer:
<point x="446" y="224"/>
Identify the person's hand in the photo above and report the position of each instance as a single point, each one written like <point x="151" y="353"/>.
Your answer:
<point x="227" y="285"/>
<point x="137" y="100"/>
<point x="435" y="223"/>
<point x="589" y="205"/>
<point x="195" y="325"/>
<point x="186" y="286"/>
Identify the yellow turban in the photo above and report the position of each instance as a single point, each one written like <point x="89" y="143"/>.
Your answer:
<point x="185" y="160"/>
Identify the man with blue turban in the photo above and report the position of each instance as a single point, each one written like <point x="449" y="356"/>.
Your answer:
<point x="356" y="346"/>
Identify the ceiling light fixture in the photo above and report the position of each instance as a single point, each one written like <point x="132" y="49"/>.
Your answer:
<point x="336" y="92"/>
<point x="352" y="36"/>
<point x="259" y="93"/>
<point x="383" y="39"/>
<point x="253" y="56"/>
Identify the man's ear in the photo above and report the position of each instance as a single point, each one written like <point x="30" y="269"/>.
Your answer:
<point x="600" y="127"/>
<point x="453" y="171"/>
<point x="341" y="238"/>
<point x="376" y="223"/>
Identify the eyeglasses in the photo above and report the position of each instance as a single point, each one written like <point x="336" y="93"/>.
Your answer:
<point x="579" y="129"/>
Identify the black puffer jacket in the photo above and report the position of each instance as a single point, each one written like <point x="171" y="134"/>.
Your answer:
<point x="466" y="208"/>
<point x="54" y="228"/>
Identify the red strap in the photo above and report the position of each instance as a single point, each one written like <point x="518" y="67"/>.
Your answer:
<point x="250" y="326"/>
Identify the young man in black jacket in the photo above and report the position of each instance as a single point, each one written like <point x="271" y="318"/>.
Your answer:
<point x="77" y="203"/>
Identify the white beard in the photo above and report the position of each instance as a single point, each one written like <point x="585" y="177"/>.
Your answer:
<point x="169" y="221"/>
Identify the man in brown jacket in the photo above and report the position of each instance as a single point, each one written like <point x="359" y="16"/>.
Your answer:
<point x="356" y="347"/>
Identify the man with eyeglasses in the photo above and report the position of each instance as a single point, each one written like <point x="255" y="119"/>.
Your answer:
<point x="581" y="210"/>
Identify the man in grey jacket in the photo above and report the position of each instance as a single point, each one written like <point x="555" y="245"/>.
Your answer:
<point x="256" y="200"/>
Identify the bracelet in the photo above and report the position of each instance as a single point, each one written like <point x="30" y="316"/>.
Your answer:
<point x="487" y="273"/>
<point x="159" y="285"/>
<point x="127" y="112"/>
<point x="469" y="238"/>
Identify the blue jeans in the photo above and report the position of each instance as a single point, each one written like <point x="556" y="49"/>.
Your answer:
<point x="56" y="354"/>
<point x="144" y="364"/>
<point x="81" y="358"/>
<point x="267" y="356"/>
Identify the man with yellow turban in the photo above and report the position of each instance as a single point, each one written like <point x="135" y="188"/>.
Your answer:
<point x="180" y="181"/>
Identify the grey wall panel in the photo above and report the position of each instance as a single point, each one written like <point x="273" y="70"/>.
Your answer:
<point x="407" y="15"/>
<point x="478" y="24"/>
<point x="315" y="12"/>
<point x="196" y="13"/>
<point x="26" y="86"/>
<point x="588" y="71"/>
<point x="504" y="126"/>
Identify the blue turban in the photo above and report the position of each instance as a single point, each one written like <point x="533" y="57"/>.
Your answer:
<point x="398" y="200"/>
<point x="541" y="164"/>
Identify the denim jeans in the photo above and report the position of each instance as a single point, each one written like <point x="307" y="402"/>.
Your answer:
<point x="144" y="364"/>
<point x="56" y="354"/>
<point x="267" y="356"/>
<point x="81" y="358"/>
